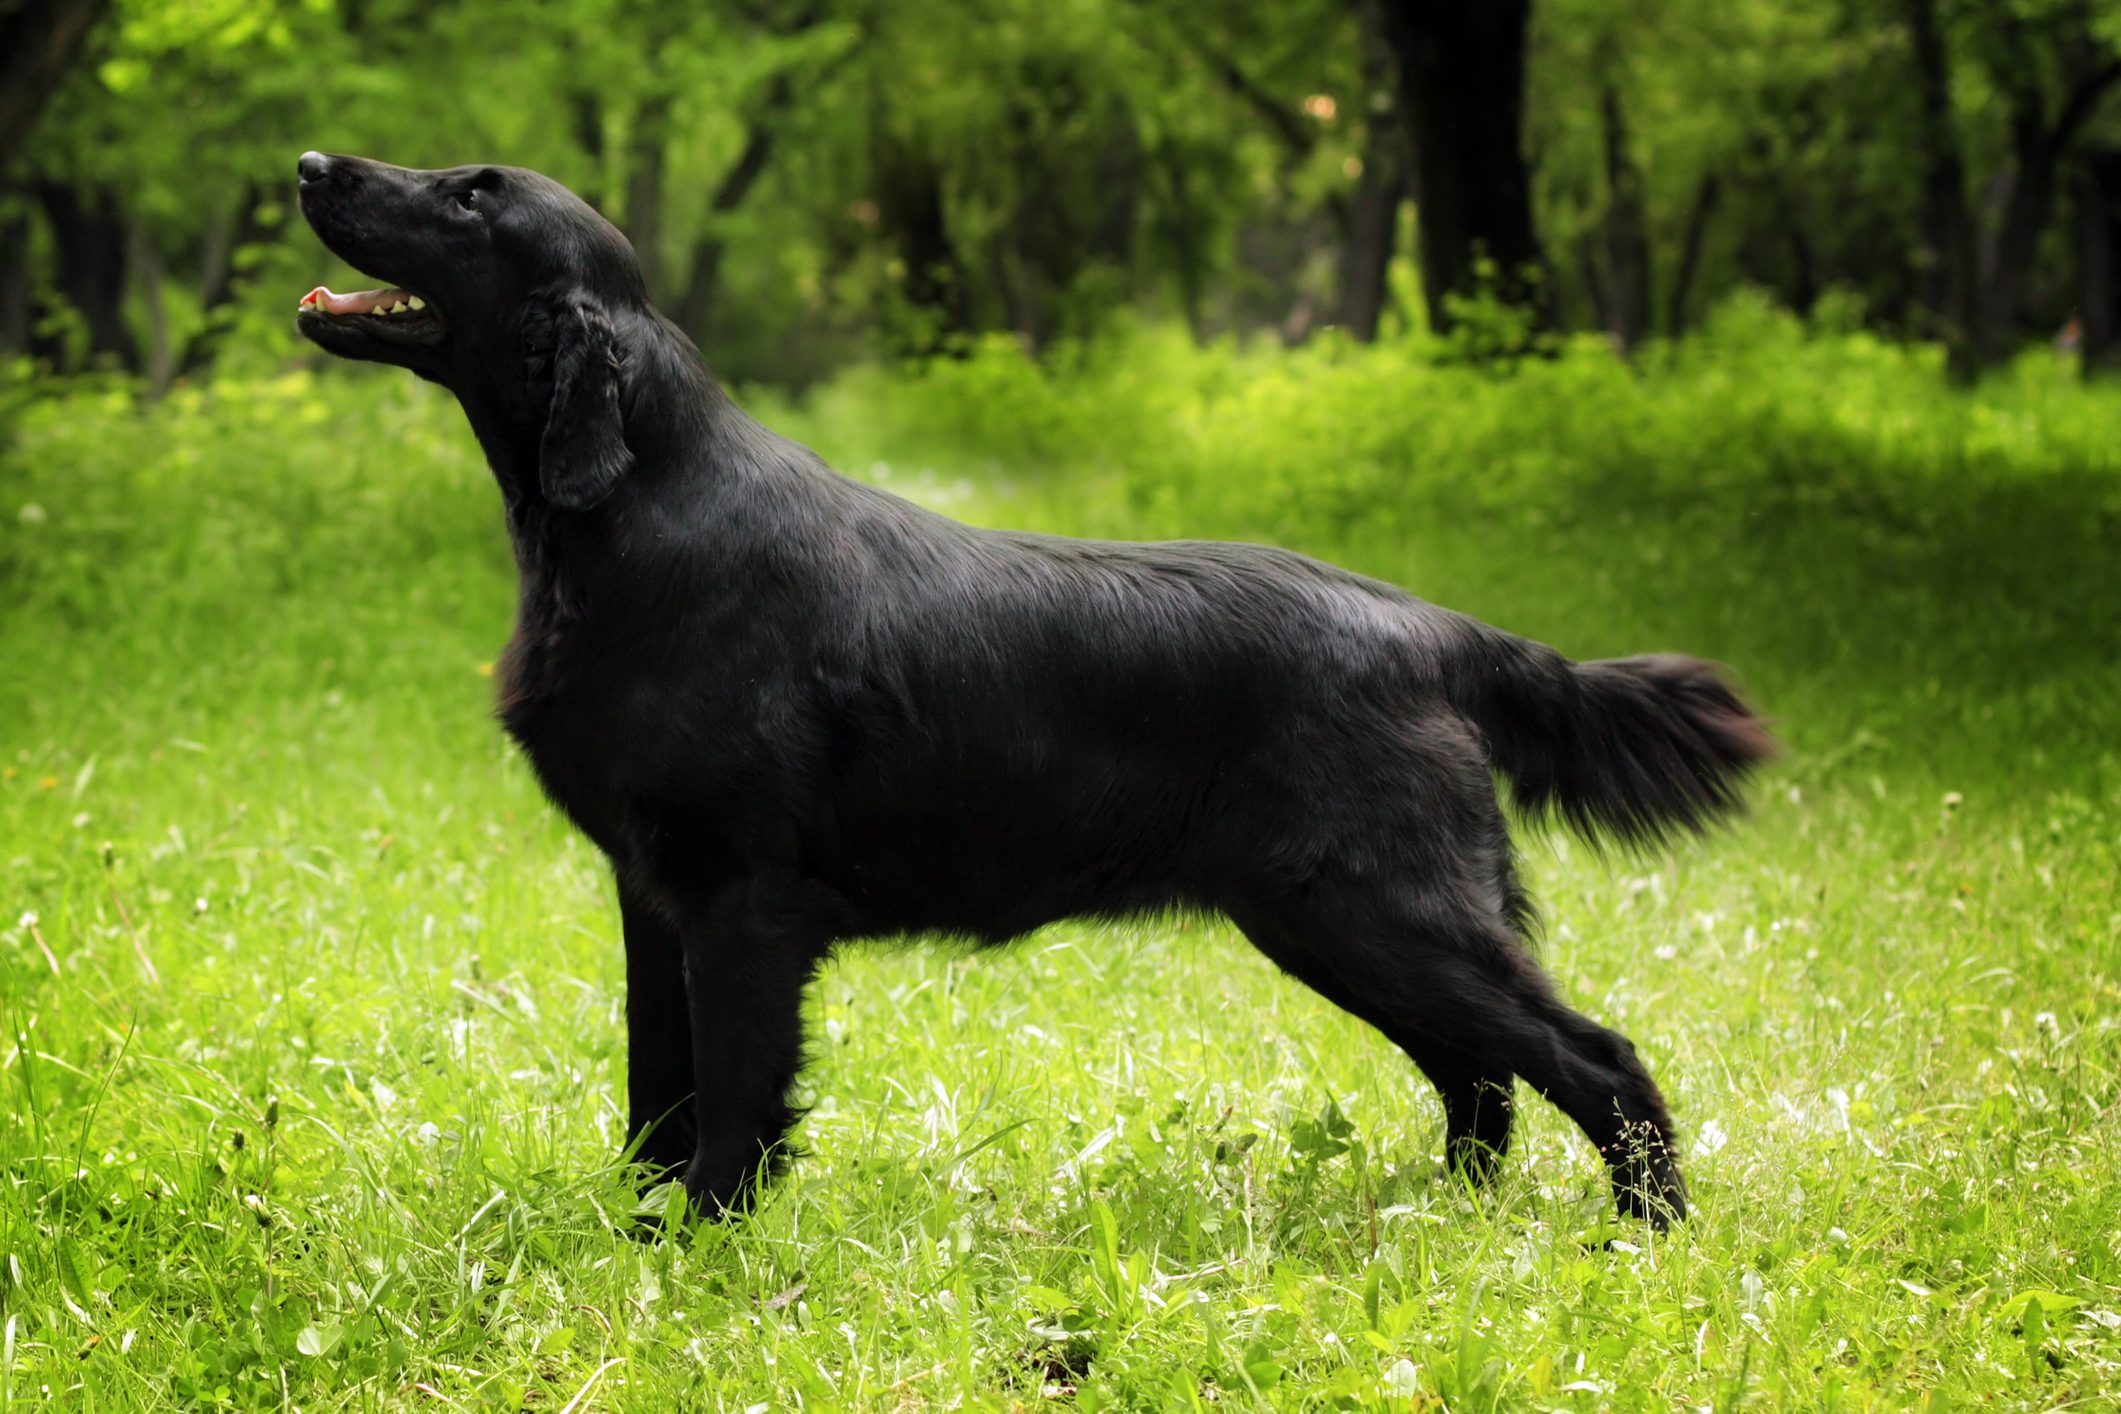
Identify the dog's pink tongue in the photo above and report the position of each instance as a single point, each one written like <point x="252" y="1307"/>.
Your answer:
<point x="358" y="302"/>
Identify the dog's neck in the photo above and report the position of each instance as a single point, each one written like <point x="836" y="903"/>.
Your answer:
<point x="509" y="439"/>
<point x="663" y="368"/>
<point x="673" y="408"/>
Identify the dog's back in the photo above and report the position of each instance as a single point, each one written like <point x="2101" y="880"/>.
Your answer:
<point x="1003" y="729"/>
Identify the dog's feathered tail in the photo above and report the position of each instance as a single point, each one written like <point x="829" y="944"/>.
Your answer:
<point x="1636" y="749"/>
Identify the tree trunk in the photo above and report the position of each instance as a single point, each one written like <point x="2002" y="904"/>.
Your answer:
<point x="703" y="279"/>
<point x="1184" y="243"/>
<point x="1373" y="230"/>
<point x="2022" y="200"/>
<point x="232" y="230"/>
<point x="145" y="259"/>
<point x="646" y="148"/>
<point x="585" y="112"/>
<point x="14" y="283"/>
<point x="695" y="307"/>
<point x="2099" y="260"/>
<point x="1461" y="79"/>
<point x="1591" y="260"/>
<point x="1627" y="229"/>
<point x="228" y="232"/>
<point x="1946" y="254"/>
<point x="1380" y="188"/>
<point x="217" y="249"/>
<point x="1804" y="264"/>
<point x="911" y="211"/>
<point x="2022" y="203"/>
<point x="38" y="44"/>
<point x="1706" y="198"/>
<point x="88" y="238"/>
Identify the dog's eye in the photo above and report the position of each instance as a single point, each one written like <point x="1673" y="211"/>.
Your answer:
<point x="468" y="198"/>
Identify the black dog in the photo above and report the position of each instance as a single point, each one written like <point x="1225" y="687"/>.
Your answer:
<point x="793" y="710"/>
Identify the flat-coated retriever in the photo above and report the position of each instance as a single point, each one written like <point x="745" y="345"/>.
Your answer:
<point x="793" y="709"/>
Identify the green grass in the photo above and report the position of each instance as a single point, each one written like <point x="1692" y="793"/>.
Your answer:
<point x="314" y="1083"/>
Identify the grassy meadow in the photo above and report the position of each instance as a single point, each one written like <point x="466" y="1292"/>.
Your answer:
<point x="312" y="1082"/>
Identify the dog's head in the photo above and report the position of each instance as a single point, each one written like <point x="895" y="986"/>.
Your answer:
<point x="503" y="286"/>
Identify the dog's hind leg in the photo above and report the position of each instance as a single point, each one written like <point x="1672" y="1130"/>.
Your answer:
<point x="1598" y="1080"/>
<point x="1478" y="1107"/>
<point x="1449" y="981"/>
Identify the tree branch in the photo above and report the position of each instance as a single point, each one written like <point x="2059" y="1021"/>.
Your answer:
<point x="761" y="134"/>
<point x="1297" y="136"/>
<point x="2082" y="102"/>
<point x="750" y="164"/>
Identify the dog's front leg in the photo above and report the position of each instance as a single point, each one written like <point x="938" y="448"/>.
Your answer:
<point x="659" y="1091"/>
<point x="748" y="956"/>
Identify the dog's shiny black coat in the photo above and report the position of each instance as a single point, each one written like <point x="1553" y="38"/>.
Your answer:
<point x="794" y="710"/>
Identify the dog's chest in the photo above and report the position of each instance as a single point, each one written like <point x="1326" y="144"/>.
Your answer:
<point x="558" y="700"/>
<point x="613" y="726"/>
<point x="564" y="723"/>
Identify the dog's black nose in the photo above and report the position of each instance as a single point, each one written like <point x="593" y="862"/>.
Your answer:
<point x="312" y="166"/>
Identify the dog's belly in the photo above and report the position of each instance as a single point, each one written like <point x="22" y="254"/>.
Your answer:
<point x="993" y="888"/>
<point x="991" y="848"/>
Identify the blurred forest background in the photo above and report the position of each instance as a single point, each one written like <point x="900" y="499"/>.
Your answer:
<point x="811" y="182"/>
<point x="315" y="1074"/>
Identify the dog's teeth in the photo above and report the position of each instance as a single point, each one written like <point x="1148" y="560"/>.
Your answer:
<point x="416" y="303"/>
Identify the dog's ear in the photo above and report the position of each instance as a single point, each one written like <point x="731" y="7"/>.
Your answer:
<point x="576" y="358"/>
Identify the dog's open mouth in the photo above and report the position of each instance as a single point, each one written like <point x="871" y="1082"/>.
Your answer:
<point x="389" y="313"/>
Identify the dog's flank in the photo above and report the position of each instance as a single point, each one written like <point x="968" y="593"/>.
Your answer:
<point x="794" y="710"/>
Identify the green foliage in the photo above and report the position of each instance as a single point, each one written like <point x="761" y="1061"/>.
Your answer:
<point x="813" y="180"/>
<point x="1488" y="327"/>
<point x="315" y="1069"/>
<point x="1079" y="154"/>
